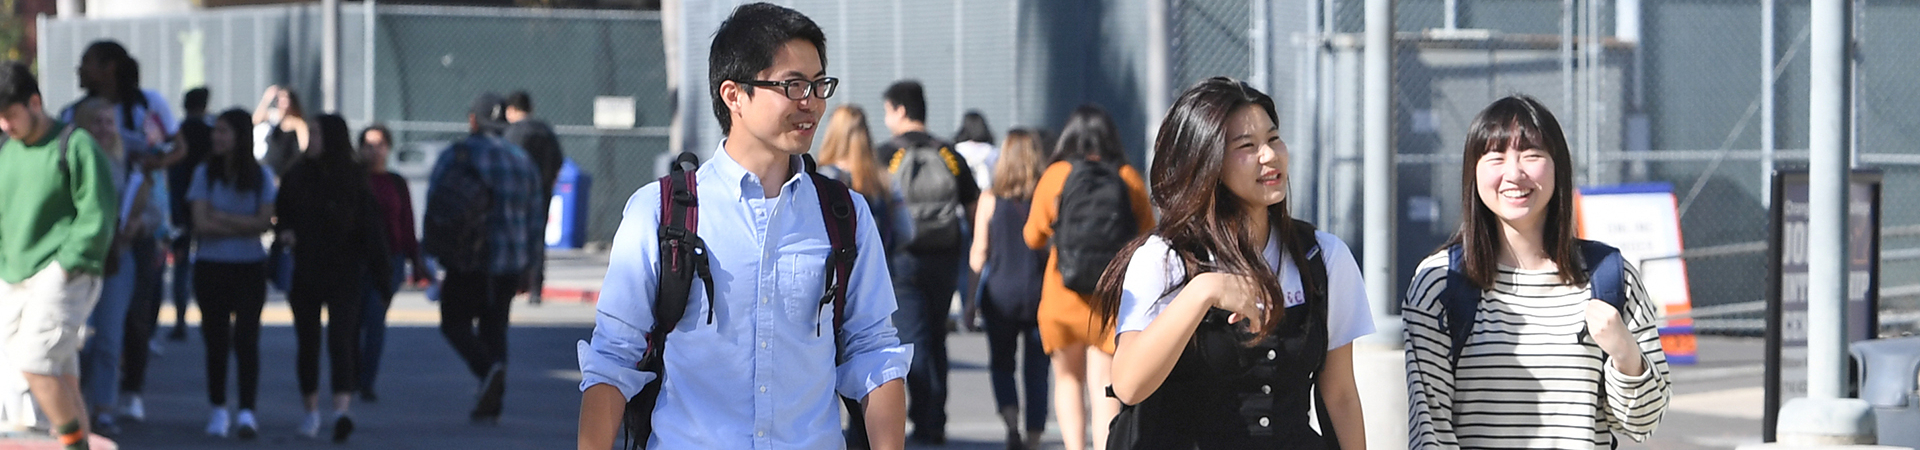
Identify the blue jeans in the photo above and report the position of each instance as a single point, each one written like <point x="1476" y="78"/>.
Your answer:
<point x="1003" y="339"/>
<point x="100" y="356"/>
<point x="924" y="288"/>
<point x="373" y="324"/>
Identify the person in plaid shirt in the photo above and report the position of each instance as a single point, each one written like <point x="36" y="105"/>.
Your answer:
<point x="515" y="227"/>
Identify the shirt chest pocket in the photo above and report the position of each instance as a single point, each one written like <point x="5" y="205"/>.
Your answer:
<point x="800" y="287"/>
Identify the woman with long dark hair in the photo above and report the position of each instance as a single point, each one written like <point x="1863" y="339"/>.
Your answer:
<point x="232" y="199"/>
<point x="329" y="215"/>
<point x="1545" y="363"/>
<point x="1234" y="320"/>
<point x="288" y="135"/>
<point x="1080" y="348"/>
<point x="1012" y="275"/>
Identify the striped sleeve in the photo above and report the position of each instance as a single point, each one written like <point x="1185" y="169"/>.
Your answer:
<point x="1429" y="372"/>
<point x="1635" y="404"/>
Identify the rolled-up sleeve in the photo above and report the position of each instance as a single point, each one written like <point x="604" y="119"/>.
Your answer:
<point x="625" y="309"/>
<point x="874" y="354"/>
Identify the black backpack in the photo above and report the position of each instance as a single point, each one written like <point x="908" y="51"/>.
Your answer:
<point x="928" y="176"/>
<point x="683" y="257"/>
<point x="1095" y="222"/>
<point x="454" y="228"/>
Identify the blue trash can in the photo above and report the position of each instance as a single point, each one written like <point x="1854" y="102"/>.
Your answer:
<point x="567" y="214"/>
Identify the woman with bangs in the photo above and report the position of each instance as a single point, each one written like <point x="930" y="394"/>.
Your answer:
<point x="1235" y="320"/>
<point x="1544" y="363"/>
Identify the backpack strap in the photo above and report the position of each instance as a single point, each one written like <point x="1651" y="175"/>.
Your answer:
<point x="1313" y="278"/>
<point x="1459" y="302"/>
<point x="683" y="256"/>
<point x="1606" y="273"/>
<point x="837" y="210"/>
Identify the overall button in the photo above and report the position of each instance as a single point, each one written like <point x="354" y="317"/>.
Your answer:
<point x="1271" y="355"/>
<point x="1266" y="389"/>
<point x="1263" y="422"/>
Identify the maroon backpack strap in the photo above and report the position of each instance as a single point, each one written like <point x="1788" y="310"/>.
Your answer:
<point x="837" y="210"/>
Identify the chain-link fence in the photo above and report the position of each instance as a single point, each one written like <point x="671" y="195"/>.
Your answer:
<point x="1671" y="93"/>
<point x="415" y="69"/>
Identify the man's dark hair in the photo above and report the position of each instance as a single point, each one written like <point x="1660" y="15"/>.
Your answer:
<point x="744" y="45"/>
<point x="196" y="99"/>
<point x="908" y="94"/>
<point x="17" y="84"/>
<point x="521" y="101"/>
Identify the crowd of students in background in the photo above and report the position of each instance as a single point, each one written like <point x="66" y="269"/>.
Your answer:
<point x="206" y="193"/>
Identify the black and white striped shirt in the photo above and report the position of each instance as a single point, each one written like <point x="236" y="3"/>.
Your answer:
<point x="1528" y="377"/>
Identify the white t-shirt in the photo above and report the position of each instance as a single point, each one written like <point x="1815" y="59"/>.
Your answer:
<point x="980" y="157"/>
<point x="1154" y="267"/>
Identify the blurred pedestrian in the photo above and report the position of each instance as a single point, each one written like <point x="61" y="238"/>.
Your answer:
<point x="232" y="198"/>
<point x="396" y="212"/>
<point x="1088" y="175"/>
<point x="537" y="138"/>
<point x="939" y="192"/>
<point x="1011" y="276"/>
<point x="487" y="246"/>
<point x="282" y="122"/>
<point x="62" y="206"/>
<point x="330" y="218"/>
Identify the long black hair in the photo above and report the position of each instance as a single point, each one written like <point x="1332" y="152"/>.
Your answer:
<point x="1203" y="222"/>
<point x="1090" y="135"/>
<point x="126" y="80"/>
<point x="1515" y="121"/>
<point x="973" y="128"/>
<point x="236" y="168"/>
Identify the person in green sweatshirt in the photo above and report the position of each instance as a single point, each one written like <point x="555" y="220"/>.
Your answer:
<point x="57" y="205"/>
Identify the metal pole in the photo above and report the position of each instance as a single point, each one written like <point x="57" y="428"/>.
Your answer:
<point x="67" y="9"/>
<point x="1566" y="55"/>
<point x="1453" y="14"/>
<point x="330" y="55"/>
<point x="1767" y="143"/>
<point x="1257" y="43"/>
<point x="1377" y="211"/>
<point x="369" y="59"/>
<point x="1827" y="204"/>
<point x="1854" y="98"/>
<point x="1158" y="91"/>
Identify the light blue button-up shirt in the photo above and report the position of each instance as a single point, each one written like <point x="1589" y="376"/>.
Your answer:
<point x="762" y="375"/>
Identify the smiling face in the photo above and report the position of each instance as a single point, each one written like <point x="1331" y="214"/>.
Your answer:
<point x="1515" y="181"/>
<point x="1255" y="166"/>
<point x="765" y="116"/>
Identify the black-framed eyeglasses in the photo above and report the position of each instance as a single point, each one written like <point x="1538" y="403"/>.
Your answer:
<point x="799" y="89"/>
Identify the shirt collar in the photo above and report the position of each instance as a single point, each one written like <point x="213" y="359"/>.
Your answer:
<point x="723" y="167"/>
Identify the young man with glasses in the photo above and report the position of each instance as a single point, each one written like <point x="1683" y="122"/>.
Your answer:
<point x="757" y="360"/>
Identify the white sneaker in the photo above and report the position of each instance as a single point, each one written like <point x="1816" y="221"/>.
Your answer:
<point x="310" y="428"/>
<point x="217" y="423"/>
<point x="134" y="410"/>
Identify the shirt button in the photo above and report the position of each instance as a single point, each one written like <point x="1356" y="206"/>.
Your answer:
<point x="763" y="389"/>
<point x="763" y="344"/>
<point x="761" y="434"/>
<point x="1266" y="389"/>
<point x="764" y="300"/>
<point x="1271" y="355"/>
<point x="1263" y="422"/>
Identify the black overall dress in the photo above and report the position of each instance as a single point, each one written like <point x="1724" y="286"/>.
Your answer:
<point x="1223" y="394"/>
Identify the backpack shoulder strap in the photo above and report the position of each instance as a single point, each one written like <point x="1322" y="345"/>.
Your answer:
<point x="1313" y="277"/>
<point x="66" y="134"/>
<point x="1459" y="301"/>
<point x="837" y="210"/>
<point x="683" y="257"/>
<point x="1606" y="273"/>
